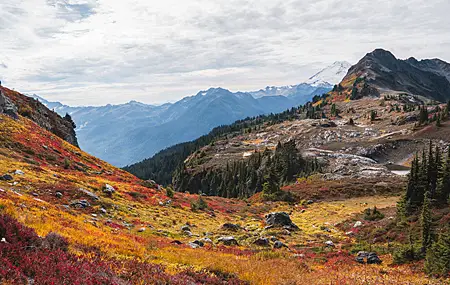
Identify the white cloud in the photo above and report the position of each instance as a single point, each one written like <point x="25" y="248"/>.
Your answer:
<point x="109" y="51"/>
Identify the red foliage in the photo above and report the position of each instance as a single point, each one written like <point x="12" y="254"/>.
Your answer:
<point x="25" y="256"/>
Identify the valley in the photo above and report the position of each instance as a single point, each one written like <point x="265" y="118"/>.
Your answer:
<point x="351" y="187"/>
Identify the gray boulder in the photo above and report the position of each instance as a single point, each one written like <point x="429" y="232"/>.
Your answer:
<point x="81" y="204"/>
<point x="230" y="227"/>
<point x="373" y="258"/>
<point x="280" y="220"/>
<point x="261" y="242"/>
<point x="228" y="241"/>
<point x="6" y="177"/>
<point x="278" y="244"/>
<point x="108" y="189"/>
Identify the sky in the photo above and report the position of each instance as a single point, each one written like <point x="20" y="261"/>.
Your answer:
<point x="95" y="52"/>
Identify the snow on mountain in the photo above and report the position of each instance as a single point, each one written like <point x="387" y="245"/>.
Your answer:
<point x="330" y="75"/>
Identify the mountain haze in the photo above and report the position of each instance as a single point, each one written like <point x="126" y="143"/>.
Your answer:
<point x="127" y="133"/>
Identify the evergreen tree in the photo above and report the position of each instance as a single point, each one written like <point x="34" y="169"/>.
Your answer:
<point x="443" y="188"/>
<point x="426" y="222"/>
<point x="438" y="257"/>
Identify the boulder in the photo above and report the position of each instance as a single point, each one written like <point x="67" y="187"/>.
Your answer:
<point x="108" y="189"/>
<point x="281" y="220"/>
<point x="185" y="228"/>
<point x="368" y="257"/>
<point x="6" y="177"/>
<point x="103" y="211"/>
<point x="361" y="256"/>
<point x="89" y="194"/>
<point x="206" y="240"/>
<point x="230" y="227"/>
<point x="357" y="224"/>
<point x="59" y="195"/>
<point x="81" y="204"/>
<point x="373" y="258"/>
<point x="261" y="242"/>
<point x="279" y="244"/>
<point x="228" y="241"/>
<point x="329" y="243"/>
<point x="141" y="230"/>
<point x="198" y="243"/>
<point x="19" y="172"/>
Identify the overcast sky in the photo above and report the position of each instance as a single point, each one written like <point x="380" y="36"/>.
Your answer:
<point x="95" y="52"/>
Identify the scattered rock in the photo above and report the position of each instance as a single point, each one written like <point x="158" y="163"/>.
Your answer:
<point x="360" y="258"/>
<point x="230" y="227"/>
<point x="198" y="243"/>
<point x="193" y="245"/>
<point x="368" y="257"/>
<point x="108" y="189"/>
<point x="279" y="244"/>
<point x="373" y="258"/>
<point x="89" y="194"/>
<point x="81" y="204"/>
<point x="280" y="219"/>
<point x="6" y="177"/>
<point x="261" y="242"/>
<point x="228" y="240"/>
<point x="206" y="240"/>
<point x="185" y="228"/>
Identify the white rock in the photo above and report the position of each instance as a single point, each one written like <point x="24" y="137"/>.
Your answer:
<point x="19" y="172"/>
<point x="357" y="224"/>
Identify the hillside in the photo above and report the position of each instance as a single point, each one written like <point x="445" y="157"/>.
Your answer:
<point x="97" y="224"/>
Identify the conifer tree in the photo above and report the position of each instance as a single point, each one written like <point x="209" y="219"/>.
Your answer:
<point x="426" y="222"/>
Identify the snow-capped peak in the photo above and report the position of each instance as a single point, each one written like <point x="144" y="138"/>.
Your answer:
<point x="330" y="75"/>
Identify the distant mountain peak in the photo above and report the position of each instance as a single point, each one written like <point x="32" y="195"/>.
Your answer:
<point x="330" y="75"/>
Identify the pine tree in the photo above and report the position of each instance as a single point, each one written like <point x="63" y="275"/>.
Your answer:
<point x="426" y="222"/>
<point x="443" y="187"/>
<point x="438" y="257"/>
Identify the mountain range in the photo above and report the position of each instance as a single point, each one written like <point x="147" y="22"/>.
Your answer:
<point x="127" y="133"/>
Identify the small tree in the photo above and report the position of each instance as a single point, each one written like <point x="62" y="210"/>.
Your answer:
<point x="373" y="115"/>
<point x="426" y="223"/>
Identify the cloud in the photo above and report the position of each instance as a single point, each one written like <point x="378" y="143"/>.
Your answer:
<point x="110" y="51"/>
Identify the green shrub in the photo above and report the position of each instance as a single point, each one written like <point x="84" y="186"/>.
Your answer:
<point x="200" y="204"/>
<point x="373" y="215"/>
<point x="407" y="253"/>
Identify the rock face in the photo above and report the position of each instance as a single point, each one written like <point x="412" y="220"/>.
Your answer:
<point x="281" y="220"/>
<point x="7" y="107"/>
<point x="384" y="72"/>
<point x="14" y="104"/>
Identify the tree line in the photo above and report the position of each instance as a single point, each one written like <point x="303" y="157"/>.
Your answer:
<point x="428" y="190"/>
<point x="262" y="172"/>
<point x="162" y="165"/>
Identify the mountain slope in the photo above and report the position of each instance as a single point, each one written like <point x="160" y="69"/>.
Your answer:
<point x="37" y="112"/>
<point x="380" y="72"/>
<point x="67" y="217"/>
